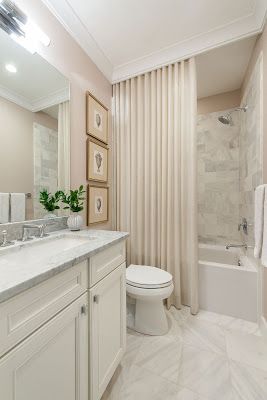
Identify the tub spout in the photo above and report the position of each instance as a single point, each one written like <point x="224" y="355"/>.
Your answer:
<point x="244" y="245"/>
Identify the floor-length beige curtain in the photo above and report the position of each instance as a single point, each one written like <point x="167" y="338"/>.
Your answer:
<point x="155" y="152"/>
<point x="64" y="146"/>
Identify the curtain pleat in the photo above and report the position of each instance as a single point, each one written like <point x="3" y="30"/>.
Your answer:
<point x="155" y="139"/>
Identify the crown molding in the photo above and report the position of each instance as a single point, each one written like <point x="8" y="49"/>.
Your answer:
<point x="15" y="98"/>
<point x="57" y="97"/>
<point x="65" y="14"/>
<point x="250" y="25"/>
<point x="39" y="104"/>
<point x="241" y="28"/>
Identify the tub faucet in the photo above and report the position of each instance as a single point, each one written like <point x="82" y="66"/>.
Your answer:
<point x="244" y="245"/>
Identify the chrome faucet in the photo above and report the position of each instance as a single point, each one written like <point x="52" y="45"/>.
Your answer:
<point x="5" y="242"/>
<point x="26" y="227"/>
<point x="243" y="225"/>
<point x="244" y="245"/>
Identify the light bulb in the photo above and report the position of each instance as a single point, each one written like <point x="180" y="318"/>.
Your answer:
<point x="33" y="31"/>
<point x="11" y="68"/>
<point x="25" y="42"/>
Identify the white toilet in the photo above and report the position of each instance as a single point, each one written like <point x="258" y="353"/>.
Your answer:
<point x="147" y="287"/>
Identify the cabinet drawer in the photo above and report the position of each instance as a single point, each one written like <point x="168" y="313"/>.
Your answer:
<point x="106" y="261"/>
<point x="24" y="313"/>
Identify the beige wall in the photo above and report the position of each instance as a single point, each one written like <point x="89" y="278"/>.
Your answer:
<point x="16" y="149"/>
<point x="66" y="55"/>
<point x="219" y="102"/>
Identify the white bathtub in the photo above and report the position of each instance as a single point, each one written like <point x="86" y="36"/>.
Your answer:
<point x="224" y="286"/>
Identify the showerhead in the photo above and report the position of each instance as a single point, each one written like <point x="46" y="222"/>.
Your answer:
<point x="227" y="119"/>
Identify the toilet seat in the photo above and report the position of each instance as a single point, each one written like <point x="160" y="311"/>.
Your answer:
<point x="145" y="277"/>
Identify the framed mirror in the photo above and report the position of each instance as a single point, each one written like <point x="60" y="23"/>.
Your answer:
<point x="34" y="131"/>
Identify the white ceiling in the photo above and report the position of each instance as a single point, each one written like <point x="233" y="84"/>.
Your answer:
<point x="223" y="69"/>
<point x="127" y="37"/>
<point x="36" y="85"/>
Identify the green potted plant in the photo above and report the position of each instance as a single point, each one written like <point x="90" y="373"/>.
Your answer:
<point x="50" y="202"/>
<point x="74" y="201"/>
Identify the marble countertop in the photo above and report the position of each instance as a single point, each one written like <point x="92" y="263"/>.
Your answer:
<point x="36" y="266"/>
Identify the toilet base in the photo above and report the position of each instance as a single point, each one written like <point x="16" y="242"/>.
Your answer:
<point x="145" y="310"/>
<point x="150" y="318"/>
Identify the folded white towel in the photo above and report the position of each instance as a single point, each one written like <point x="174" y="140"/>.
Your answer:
<point x="4" y="208"/>
<point x="17" y="205"/>
<point x="260" y="193"/>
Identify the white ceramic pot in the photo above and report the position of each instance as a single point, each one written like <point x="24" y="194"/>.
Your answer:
<point x="75" y="222"/>
<point x="50" y="215"/>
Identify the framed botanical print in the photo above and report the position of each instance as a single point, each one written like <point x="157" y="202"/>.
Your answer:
<point x="97" y="161"/>
<point x="96" y="119"/>
<point x="97" y="204"/>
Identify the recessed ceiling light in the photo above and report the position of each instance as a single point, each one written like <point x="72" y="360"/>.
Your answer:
<point x="11" y="68"/>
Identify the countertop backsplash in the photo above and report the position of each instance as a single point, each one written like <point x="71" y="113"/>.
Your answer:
<point x="14" y="230"/>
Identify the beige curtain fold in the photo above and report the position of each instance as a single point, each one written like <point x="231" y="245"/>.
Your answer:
<point x="154" y="120"/>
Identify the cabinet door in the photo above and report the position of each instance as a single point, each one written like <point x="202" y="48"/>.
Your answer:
<point x="107" y="329"/>
<point x="52" y="363"/>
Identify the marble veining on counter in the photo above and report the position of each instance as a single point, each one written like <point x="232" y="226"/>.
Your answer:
<point x="37" y="266"/>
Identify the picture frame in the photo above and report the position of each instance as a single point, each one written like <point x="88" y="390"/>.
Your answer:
<point x="97" y="204"/>
<point x="96" y="119"/>
<point x="96" y="161"/>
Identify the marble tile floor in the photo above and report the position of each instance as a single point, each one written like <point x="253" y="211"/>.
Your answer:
<point x="203" y="357"/>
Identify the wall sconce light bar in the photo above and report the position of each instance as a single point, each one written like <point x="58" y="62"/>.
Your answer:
<point x="20" y="28"/>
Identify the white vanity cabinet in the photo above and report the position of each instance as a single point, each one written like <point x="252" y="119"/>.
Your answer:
<point x="107" y="329"/>
<point x="107" y="316"/>
<point x="63" y="338"/>
<point x="51" y="363"/>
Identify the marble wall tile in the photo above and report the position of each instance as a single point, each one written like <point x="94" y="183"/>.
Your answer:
<point x="230" y="168"/>
<point x="250" y="150"/>
<point x="45" y="143"/>
<point x="218" y="178"/>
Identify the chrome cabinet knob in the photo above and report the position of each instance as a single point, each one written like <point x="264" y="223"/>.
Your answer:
<point x="84" y="309"/>
<point x="96" y="298"/>
<point x="244" y="225"/>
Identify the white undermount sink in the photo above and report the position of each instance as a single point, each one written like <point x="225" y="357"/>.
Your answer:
<point x="58" y="244"/>
<point x="43" y="250"/>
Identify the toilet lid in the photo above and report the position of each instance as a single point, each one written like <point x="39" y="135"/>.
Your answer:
<point x="144" y="276"/>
